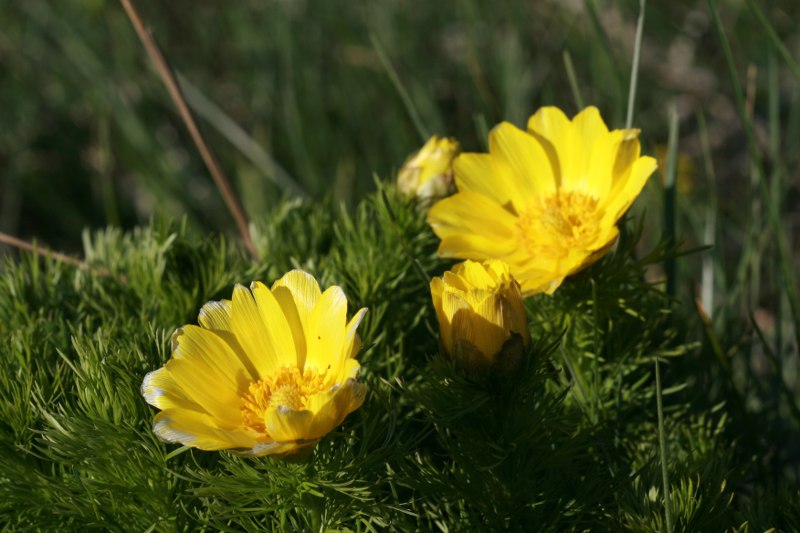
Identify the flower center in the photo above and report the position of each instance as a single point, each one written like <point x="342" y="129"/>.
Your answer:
<point x="288" y="387"/>
<point x="559" y="223"/>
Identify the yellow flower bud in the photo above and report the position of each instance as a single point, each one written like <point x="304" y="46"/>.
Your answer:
<point x="481" y="316"/>
<point x="429" y="172"/>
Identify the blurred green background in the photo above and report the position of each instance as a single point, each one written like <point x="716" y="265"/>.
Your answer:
<point x="295" y="100"/>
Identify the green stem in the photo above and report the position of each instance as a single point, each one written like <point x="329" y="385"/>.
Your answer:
<point x="637" y="48"/>
<point x="662" y="444"/>
<point x="670" y="200"/>
<point x="401" y="90"/>
<point x="573" y="80"/>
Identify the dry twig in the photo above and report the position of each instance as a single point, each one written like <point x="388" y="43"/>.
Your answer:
<point x="174" y="90"/>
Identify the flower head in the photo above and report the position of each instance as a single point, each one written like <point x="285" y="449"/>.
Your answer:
<point x="546" y="200"/>
<point x="479" y="307"/>
<point x="269" y="372"/>
<point x="429" y="173"/>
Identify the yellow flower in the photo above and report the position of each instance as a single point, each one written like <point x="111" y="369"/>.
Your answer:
<point x="429" y="172"/>
<point x="268" y="372"/>
<point x="545" y="200"/>
<point x="479" y="307"/>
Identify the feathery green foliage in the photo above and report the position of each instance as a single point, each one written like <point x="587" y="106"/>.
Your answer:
<point x="567" y="442"/>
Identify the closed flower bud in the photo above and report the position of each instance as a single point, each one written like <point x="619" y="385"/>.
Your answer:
<point x="429" y="173"/>
<point x="481" y="317"/>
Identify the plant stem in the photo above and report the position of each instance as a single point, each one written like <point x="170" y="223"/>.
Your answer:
<point x="637" y="47"/>
<point x="167" y="76"/>
<point x="670" y="200"/>
<point x="573" y="80"/>
<point x="45" y="252"/>
<point x="662" y="444"/>
<point x="401" y="90"/>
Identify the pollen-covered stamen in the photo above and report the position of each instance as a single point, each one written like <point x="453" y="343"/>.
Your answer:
<point x="556" y="224"/>
<point x="288" y="387"/>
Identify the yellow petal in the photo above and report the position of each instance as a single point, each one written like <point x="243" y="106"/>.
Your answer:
<point x="336" y="403"/>
<point x="594" y="150"/>
<point x="626" y="191"/>
<point x="534" y="280"/>
<point x="532" y="171"/>
<point x="195" y="343"/>
<point x="581" y="146"/>
<point x="350" y="370"/>
<point x="490" y="331"/>
<point x="160" y="390"/>
<point x="326" y="331"/>
<point x="216" y="315"/>
<point x="452" y="302"/>
<point x="272" y="448"/>
<point x="479" y="327"/>
<point x="352" y="342"/>
<point x="278" y="329"/>
<point x="206" y="388"/>
<point x="325" y="411"/>
<point x="297" y="293"/>
<point x="626" y="152"/>
<point x="198" y="430"/>
<point x="486" y="175"/>
<point x="474" y="274"/>
<point x="553" y="130"/>
<point x="473" y="226"/>
<point x="208" y="372"/>
<point x="285" y="424"/>
<point x="251" y="332"/>
<point x="475" y="246"/>
<point x="497" y="269"/>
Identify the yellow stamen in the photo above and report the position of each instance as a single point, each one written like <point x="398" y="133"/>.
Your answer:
<point x="559" y="223"/>
<point x="288" y="387"/>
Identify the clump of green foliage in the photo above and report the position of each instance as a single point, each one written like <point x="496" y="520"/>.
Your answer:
<point x="572" y="440"/>
<point x="568" y="442"/>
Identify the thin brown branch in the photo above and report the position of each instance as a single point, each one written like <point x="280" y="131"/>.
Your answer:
<point x="168" y="77"/>
<point x="47" y="253"/>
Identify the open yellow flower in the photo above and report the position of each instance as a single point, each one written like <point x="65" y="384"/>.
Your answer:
<point x="268" y="372"/>
<point x="429" y="172"/>
<point x="546" y="200"/>
<point x="479" y="307"/>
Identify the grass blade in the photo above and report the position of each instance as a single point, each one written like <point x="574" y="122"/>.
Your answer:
<point x="401" y="90"/>
<point x="784" y="260"/>
<point x="224" y="124"/>
<point x="662" y="446"/>
<point x="573" y="80"/>
<point x="773" y="37"/>
<point x="670" y="199"/>
<point x="637" y="48"/>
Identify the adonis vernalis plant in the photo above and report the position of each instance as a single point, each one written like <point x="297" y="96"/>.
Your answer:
<point x="546" y="200"/>
<point x="269" y="372"/>
<point x="479" y="308"/>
